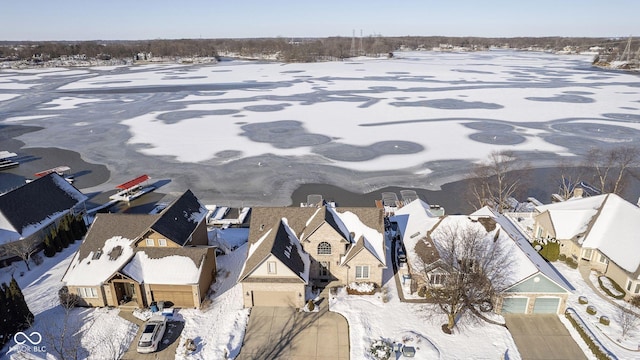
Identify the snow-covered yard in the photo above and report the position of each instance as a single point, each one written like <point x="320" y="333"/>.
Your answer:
<point x="92" y="333"/>
<point x="218" y="329"/>
<point x="383" y="315"/>
<point x="610" y="336"/>
<point x="99" y="333"/>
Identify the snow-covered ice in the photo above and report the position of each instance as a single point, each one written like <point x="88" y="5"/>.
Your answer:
<point x="287" y="124"/>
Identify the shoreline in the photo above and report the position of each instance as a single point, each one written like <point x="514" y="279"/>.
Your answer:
<point x="445" y="187"/>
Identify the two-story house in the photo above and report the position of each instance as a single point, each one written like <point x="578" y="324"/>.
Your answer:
<point x="134" y="260"/>
<point x="342" y="245"/>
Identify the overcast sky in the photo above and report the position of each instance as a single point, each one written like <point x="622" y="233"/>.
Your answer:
<point x="164" y="19"/>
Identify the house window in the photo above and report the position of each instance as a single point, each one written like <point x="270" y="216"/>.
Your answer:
<point x="637" y="290"/>
<point x="603" y="259"/>
<point x="324" y="268"/>
<point x="87" y="292"/>
<point x="436" y="279"/>
<point x="539" y="232"/>
<point x="629" y="285"/>
<point x="162" y="242"/>
<point x="271" y="267"/>
<point x="324" y="248"/>
<point x="362" y="272"/>
<point x="150" y="242"/>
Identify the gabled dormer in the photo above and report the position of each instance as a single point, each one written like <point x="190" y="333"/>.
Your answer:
<point x="179" y="224"/>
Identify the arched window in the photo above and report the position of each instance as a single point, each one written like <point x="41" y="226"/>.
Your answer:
<point x="324" y="248"/>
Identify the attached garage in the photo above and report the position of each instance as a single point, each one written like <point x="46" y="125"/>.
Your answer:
<point x="180" y="296"/>
<point x="514" y="305"/>
<point x="275" y="298"/>
<point x="547" y="305"/>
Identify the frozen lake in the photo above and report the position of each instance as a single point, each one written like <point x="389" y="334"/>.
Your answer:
<point x="252" y="132"/>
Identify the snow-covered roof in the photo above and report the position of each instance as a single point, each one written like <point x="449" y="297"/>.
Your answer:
<point x="372" y="239"/>
<point x="93" y="270"/>
<point x="414" y="219"/>
<point x="166" y="270"/>
<point x="615" y="233"/>
<point x="611" y="223"/>
<point x="532" y="256"/>
<point x="415" y="223"/>
<point x="303" y="221"/>
<point x="572" y="217"/>
<point x="34" y="205"/>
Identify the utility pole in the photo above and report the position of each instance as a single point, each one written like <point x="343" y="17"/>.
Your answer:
<point x="352" y="52"/>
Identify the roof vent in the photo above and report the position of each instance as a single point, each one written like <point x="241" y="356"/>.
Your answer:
<point x="261" y="227"/>
<point x="97" y="255"/>
<point x="115" y="252"/>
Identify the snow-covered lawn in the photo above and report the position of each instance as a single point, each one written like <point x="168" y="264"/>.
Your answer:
<point x="218" y="329"/>
<point x="384" y="316"/>
<point x="94" y="333"/>
<point x="611" y="335"/>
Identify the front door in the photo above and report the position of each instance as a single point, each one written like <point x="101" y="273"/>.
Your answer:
<point x="324" y="269"/>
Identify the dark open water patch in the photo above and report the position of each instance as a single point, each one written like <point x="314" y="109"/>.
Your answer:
<point x="266" y="108"/>
<point x="347" y="152"/>
<point x="633" y="118"/>
<point x="488" y="126"/>
<point x="448" y="104"/>
<point x="498" y="138"/>
<point x="283" y="134"/>
<point x="174" y="117"/>
<point x="598" y="131"/>
<point x="572" y="99"/>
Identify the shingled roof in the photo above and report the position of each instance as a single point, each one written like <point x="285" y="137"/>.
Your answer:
<point x="37" y="203"/>
<point x="281" y="242"/>
<point x="178" y="221"/>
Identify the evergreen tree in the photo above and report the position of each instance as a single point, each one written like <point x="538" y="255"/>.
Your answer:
<point x="57" y="242"/>
<point x="63" y="232"/>
<point x="4" y="317"/>
<point x="22" y="315"/>
<point x="49" y="250"/>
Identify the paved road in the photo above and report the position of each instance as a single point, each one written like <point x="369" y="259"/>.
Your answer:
<point x="284" y="334"/>
<point x="542" y="337"/>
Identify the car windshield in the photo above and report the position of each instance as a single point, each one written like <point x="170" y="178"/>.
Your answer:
<point x="144" y="343"/>
<point x="148" y="329"/>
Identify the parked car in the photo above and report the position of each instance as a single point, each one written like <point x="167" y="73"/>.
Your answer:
<point x="402" y="257"/>
<point x="152" y="334"/>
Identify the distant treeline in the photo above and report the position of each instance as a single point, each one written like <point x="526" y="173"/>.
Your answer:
<point x="287" y="49"/>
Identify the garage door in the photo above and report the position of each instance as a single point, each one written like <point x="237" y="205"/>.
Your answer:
<point x="546" y="305"/>
<point x="514" y="305"/>
<point x="274" y="298"/>
<point x="178" y="298"/>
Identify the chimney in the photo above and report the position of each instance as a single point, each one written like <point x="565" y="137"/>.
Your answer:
<point x="578" y="192"/>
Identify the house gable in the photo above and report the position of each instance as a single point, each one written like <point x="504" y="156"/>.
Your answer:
<point x="179" y="221"/>
<point x="272" y="267"/>
<point x="536" y="283"/>
<point x="279" y="242"/>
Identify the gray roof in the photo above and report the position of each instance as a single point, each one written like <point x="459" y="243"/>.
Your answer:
<point x="301" y="220"/>
<point x="36" y="201"/>
<point x="278" y="244"/>
<point x="106" y="226"/>
<point x="178" y="221"/>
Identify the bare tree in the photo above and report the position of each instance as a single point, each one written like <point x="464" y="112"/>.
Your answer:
<point x="494" y="180"/>
<point x="569" y="177"/>
<point x="22" y="249"/>
<point x="611" y="165"/>
<point x="627" y="320"/>
<point x="476" y="263"/>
